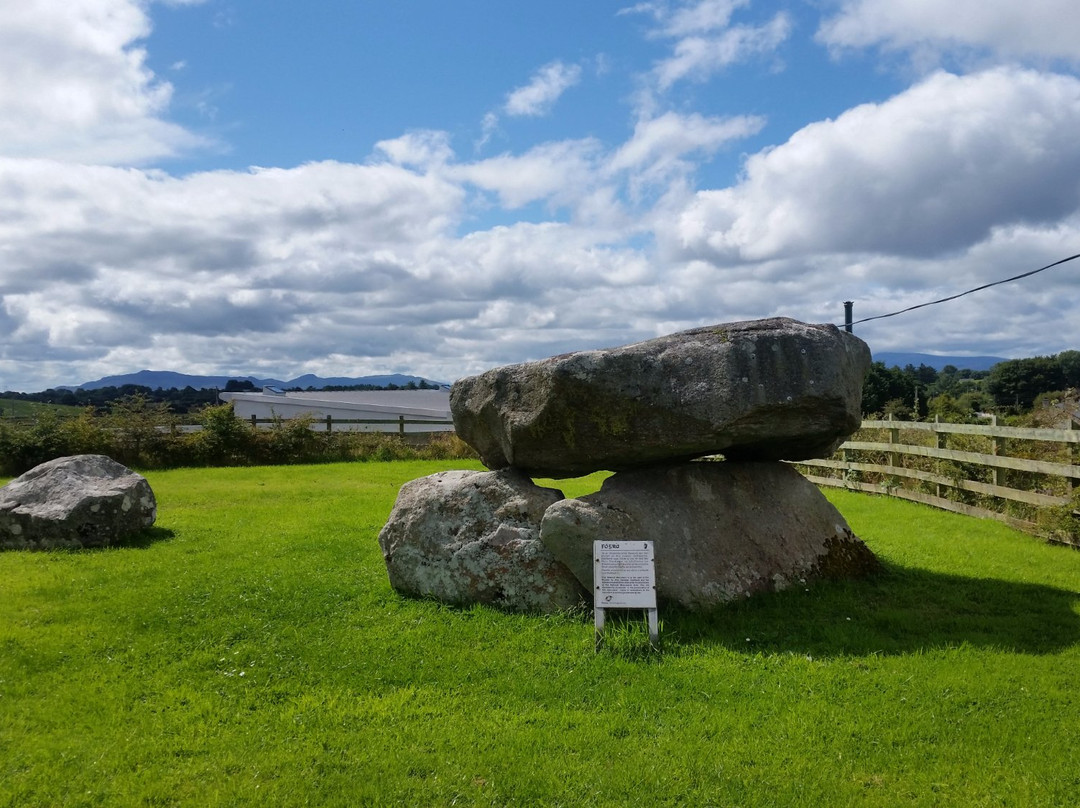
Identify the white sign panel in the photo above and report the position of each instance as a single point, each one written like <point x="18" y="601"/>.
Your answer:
<point x="624" y="575"/>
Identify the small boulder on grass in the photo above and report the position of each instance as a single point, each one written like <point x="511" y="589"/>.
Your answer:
<point x="78" y="501"/>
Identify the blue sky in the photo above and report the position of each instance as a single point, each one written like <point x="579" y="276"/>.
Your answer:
<point x="345" y="188"/>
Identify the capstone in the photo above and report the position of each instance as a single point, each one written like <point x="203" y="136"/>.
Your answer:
<point x="774" y="389"/>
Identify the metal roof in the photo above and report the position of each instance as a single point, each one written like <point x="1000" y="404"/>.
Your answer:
<point x="433" y="403"/>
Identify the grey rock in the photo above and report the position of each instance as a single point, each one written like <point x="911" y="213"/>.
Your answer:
<point x="79" y="501"/>
<point x="773" y="389"/>
<point x="465" y="537"/>
<point x="721" y="530"/>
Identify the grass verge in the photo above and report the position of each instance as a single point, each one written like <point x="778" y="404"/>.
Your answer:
<point x="249" y="651"/>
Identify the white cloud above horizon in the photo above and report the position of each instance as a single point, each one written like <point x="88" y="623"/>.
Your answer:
<point x="583" y="232"/>
<point x="950" y="159"/>
<point x="543" y="90"/>
<point x="74" y="85"/>
<point x="1039" y="29"/>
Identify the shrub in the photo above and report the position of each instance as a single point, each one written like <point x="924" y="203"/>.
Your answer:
<point x="224" y="439"/>
<point x="143" y="434"/>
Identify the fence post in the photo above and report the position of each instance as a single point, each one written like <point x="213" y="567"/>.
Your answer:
<point x="329" y="424"/>
<point x="254" y="421"/>
<point x="894" y="438"/>
<point x="401" y="425"/>
<point x="940" y="442"/>
<point x="1074" y="456"/>
<point x="995" y="450"/>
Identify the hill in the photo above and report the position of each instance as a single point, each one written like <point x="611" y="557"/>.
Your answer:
<point x="166" y="380"/>
<point x="902" y="359"/>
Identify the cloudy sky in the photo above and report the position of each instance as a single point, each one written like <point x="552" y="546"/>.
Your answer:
<point x="433" y="187"/>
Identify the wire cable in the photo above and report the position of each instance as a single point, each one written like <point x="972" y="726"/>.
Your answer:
<point x="969" y="291"/>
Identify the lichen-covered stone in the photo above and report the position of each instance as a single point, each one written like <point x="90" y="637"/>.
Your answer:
<point x="79" y="501"/>
<point x="722" y="531"/>
<point x="773" y="389"/>
<point x="465" y="537"/>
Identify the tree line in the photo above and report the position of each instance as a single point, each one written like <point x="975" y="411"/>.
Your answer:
<point x="1011" y="387"/>
<point x="142" y="428"/>
<point x="179" y="401"/>
<point x="144" y="434"/>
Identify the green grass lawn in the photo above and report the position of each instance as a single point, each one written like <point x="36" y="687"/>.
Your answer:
<point x="249" y="651"/>
<point x="17" y="408"/>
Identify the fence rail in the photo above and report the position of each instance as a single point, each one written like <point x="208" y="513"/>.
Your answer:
<point x="329" y="422"/>
<point x="1026" y="477"/>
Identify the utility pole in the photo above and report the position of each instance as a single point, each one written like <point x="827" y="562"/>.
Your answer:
<point x="848" y="304"/>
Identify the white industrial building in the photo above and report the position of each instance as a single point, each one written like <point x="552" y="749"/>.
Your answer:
<point x="401" y="411"/>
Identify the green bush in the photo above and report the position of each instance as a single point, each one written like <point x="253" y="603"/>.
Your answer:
<point x="224" y="440"/>
<point x="143" y="434"/>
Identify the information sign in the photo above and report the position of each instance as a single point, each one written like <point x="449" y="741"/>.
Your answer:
<point x="624" y="577"/>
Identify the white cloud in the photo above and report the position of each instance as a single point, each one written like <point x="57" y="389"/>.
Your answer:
<point x="488" y="127"/>
<point x="705" y="40"/>
<point x="699" y="17"/>
<point x="534" y="99"/>
<point x="934" y="169"/>
<point x="699" y="57"/>
<point x="540" y="94"/>
<point x="276" y="270"/>
<point x="75" y="86"/>
<point x="423" y="149"/>
<point x="559" y="171"/>
<point x="666" y="138"/>
<point x="346" y="269"/>
<point x="242" y="252"/>
<point x="1034" y="28"/>
<point x="687" y="16"/>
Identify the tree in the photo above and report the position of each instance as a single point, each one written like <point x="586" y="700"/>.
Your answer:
<point x="142" y="428"/>
<point x="924" y="375"/>
<point x="883" y="385"/>
<point x="1069" y="362"/>
<point x="1016" y="382"/>
<point x="947" y="408"/>
<point x="224" y="438"/>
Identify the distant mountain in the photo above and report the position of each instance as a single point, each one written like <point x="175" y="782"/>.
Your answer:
<point x="937" y="362"/>
<point x="166" y="379"/>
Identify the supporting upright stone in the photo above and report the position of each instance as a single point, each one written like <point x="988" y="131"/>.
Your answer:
<point x="465" y="537"/>
<point x="722" y="531"/>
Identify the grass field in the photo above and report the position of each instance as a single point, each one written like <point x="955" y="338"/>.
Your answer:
<point x="16" y="408"/>
<point x="249" y="651"/>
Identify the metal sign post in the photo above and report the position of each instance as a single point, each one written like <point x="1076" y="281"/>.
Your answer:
<point x="624" y="577"/>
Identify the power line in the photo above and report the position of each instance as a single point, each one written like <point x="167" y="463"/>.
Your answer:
<point x="969" y="291"/>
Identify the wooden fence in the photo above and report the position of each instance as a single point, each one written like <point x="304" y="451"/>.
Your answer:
<point x="1026" y="477"/>
<point x="329" y="422"/>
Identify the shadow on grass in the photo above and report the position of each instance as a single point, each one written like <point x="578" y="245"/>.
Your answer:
<point x="147" y="537"/>
<point x="902" y="610"/>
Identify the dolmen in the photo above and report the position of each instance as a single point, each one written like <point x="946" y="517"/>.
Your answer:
<point x="660" y="414"/>
<point x="72" y="502"/>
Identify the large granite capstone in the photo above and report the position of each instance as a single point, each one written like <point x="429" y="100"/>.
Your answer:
<point x="722" y="531"/>
<point x="78" y="501"/>
<point x="774" y="389"/>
